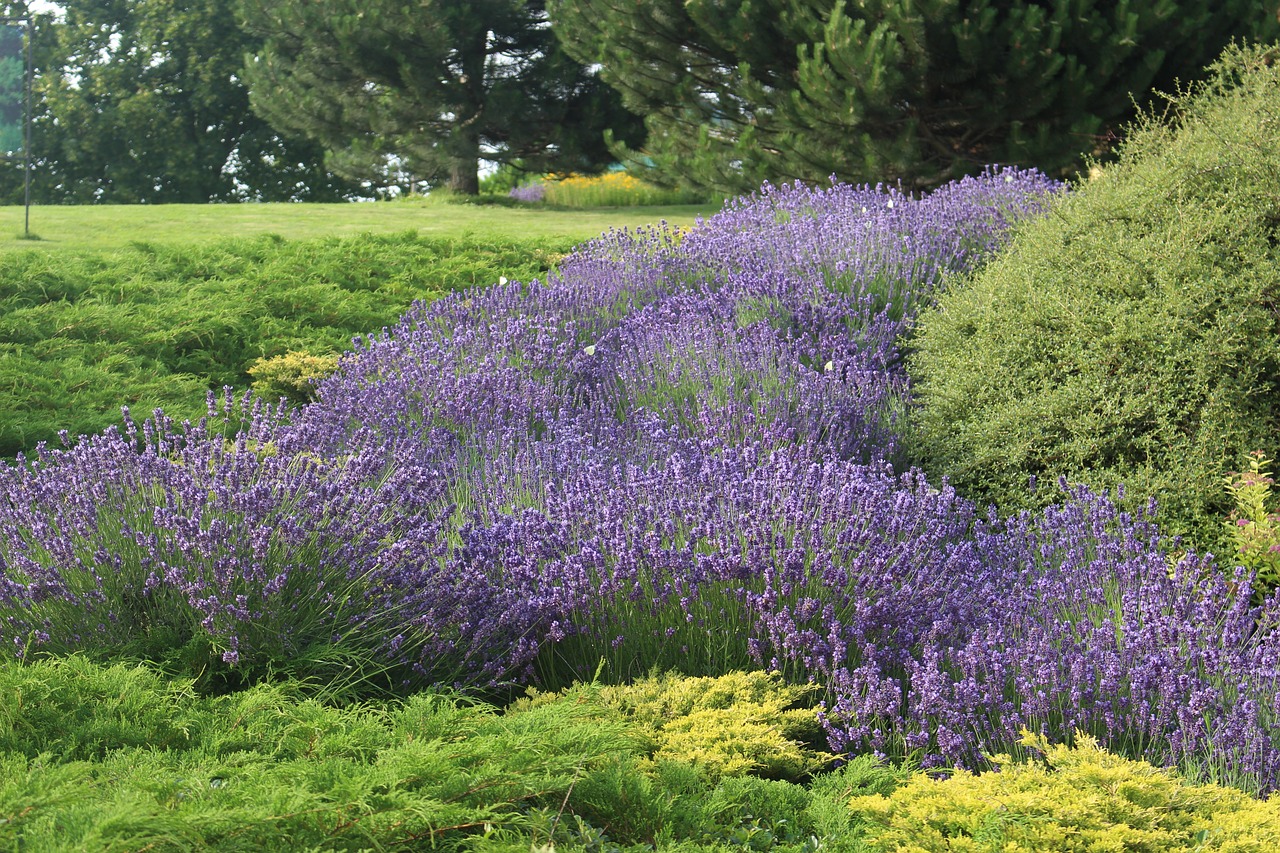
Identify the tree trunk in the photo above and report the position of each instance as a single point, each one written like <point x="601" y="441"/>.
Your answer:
<point x="464" y="173"/>
<point x="464" y="141"/>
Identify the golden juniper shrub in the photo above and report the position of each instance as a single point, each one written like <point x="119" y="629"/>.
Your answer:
<point x="1080" y="798"/>
<point x="292" y="375"/>
<point x="730" y="725"/>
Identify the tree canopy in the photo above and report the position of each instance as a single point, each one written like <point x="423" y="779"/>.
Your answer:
<point x="143" y="101"/>
<point x="739" y="91"/>
<point x="435" y="84"/>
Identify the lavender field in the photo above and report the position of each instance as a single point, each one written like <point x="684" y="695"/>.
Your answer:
<point x="684" y="450"/>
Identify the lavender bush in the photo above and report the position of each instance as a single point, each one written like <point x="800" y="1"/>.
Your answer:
<point x="528" y="193"/>
<point x="677" y="453"/>
<point x="211" y="544"/>
<point x="1100" y="627"/>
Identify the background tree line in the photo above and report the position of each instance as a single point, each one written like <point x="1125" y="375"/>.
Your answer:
<point x="229" y="100"/>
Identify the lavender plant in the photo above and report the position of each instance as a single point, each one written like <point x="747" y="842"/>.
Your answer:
<point x="221" y="546"/>
<point x="675" y="453"/>
<point x="392" y="495"/>
<point x="529" y="193"/>
<point x="1093" y="630"/>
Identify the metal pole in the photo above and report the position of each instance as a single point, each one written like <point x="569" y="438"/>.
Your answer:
<point x="26" y="141"/>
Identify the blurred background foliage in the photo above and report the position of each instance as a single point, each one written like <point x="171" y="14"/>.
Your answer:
<point x="240" y="100"/>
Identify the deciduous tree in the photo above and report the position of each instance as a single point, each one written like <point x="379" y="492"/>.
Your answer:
<point x="143" y="101"/>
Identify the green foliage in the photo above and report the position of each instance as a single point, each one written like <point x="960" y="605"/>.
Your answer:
<point x="269" y="769"/>
<point x="1074" y="799"/>
<point x="158" y="326"/>
<point x="504" y="179"/>
<point x="97" y="757"/>
<point x="1131" y="335"/>
<point x="430" y="84"/>
<point x="13" y="87"/>
<point x="886" y="90"/>
<point x="80" y="711"/>
<point x="144" y="102"/>
<point x="762" y="812"/>
<point x="1254" y="525"/>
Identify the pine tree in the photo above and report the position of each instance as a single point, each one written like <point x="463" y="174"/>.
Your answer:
<point x="919" y="91"/>
<point x="436" y="85"/>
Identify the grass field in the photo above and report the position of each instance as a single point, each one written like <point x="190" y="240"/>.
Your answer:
<point x="89" y="228"/>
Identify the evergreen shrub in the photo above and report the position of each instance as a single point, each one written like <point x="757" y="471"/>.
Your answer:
<point x="291" y="376"/>
<point x="118" y="757"/>
<point x="1131" y="335"/>
<point x="1070" y="799"/>
<point x="731" y="725"/>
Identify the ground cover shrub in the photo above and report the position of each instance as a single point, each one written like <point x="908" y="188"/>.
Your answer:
<point x="1131" y="335"/>
<point x="119" y="757"/>
<point x="611" y="189"/>
<point x="159" y="325"/>
<point x="730" y="725"/>
<point x="266" y="768"/>
<point x="1066" y="799"/>
<point x="274" y="766"/>
<point x="80" y="711"/>
<point x="292" y="376"/>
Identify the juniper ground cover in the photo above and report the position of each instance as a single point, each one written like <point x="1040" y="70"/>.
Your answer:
<point x="156" y="325"/>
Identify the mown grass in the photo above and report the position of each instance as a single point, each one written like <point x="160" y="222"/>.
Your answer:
<point x="112" y="227"/>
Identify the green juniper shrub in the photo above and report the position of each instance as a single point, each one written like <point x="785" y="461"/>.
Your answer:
<point x="145" y="762"/>
<point x="118" y="758"/>
<point x="157" y="766"/>
<point x="761" y="811"/>
<point x="159" y="325"/>
<point x="624" y="801"/>
<point x="80" y="710"/>
<point x="1131" y="335"/>
<point x="828" y="813"/>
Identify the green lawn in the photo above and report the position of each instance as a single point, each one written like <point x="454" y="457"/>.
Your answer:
<point x="106" y="227"/>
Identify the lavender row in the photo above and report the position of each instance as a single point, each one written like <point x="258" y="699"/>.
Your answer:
<point x="676" y="452"/>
